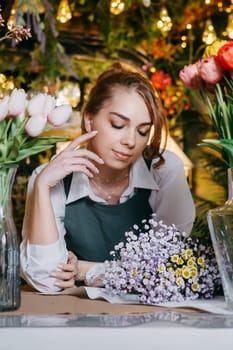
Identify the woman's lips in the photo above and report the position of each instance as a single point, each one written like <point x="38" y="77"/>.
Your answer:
<point x="121" y="155"/>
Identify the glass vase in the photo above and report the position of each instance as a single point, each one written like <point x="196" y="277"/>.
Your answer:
<point x="220" y="222"/>
<point x="9" y="243"/>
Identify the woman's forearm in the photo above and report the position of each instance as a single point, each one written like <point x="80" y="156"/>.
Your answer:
<point x="42" y="228"/>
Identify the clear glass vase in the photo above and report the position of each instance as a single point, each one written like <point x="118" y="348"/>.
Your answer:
<point x="220" y="222"/>
<point x="9" y="243"/>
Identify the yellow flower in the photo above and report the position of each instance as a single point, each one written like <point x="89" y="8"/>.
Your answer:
<point x="180" y="261"/>
<point x="161" y="268"/>
<point x="201" y="261"/>
<point x="213" y="48"/>
<point x="179" y="281"/>
<point x="187" y="253"/>
<point x="191" y="263"/>
<point x="195" y="287"/>
<point x="194" y="272"/>
<point x="186" y="272"/>
<point x="135" y="273"/>
<point x="178" y="272"/>
<point x="175" y="258"/>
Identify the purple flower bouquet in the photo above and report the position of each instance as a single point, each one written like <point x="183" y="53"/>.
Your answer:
<point x="160" y="264"/>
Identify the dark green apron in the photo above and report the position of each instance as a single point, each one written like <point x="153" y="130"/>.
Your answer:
<point x="92" y="229"/>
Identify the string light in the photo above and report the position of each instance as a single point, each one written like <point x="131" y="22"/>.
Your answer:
<point x="11" y="19"/>
<point x="64" y="13"/>
<point x="164" y="24"/>
<point x="117" y="6"/>
<point x="229" y="29"/>
<point x="184" y="39"/>
<point x="209" y="34"/>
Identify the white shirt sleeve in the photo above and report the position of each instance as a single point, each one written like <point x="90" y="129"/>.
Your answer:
<point x="173" y="202"/>
<point x="38" y="261"/>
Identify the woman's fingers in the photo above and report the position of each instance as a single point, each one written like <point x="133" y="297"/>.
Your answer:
<point x="65" y="284"/>
<point x="81" y="139"/>
<point x="71" y="160"/>
<point x="65" y="278"/>
<point x="83" y="152"/>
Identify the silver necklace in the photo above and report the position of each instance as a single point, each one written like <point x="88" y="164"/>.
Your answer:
<point x="108" y="195"/>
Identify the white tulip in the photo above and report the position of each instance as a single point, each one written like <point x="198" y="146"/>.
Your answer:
<point x="60" y="115"/>
<point x="41" y="104"/>
<point x="49" y="105"/>
<point x="17" y="102"/>
<point x="35" y="125"/>
<point x="4" y="108"/>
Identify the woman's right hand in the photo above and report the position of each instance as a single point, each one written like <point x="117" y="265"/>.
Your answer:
<point x="71" y="159"/>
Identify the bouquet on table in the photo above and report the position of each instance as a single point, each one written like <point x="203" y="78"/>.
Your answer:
<point x="211" y="77"/>
<point x="160" y="264"/>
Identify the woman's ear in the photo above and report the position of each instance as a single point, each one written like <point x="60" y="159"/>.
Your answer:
<point x="88" y="123"/>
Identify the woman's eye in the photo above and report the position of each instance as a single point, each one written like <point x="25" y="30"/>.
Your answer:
<point x="116" y="126"/>
<point x="143" y="133"/>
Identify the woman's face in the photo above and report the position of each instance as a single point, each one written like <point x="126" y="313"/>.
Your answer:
<point x="123" y="126"/>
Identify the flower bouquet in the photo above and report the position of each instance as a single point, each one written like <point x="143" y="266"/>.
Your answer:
<point x="160" y="264"/>
<point x="211" y="77"/>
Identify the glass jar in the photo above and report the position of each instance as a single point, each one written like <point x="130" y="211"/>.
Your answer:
<point x="9" y="243"/>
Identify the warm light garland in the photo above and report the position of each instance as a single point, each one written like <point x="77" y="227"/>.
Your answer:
<point x="64" y="13"/>
<point x="117" y="6"/>
<point x="11" y="19"/>
<point x="229" y="29"/>
<point x="209" y="34"/>
<point x="164" y="23"/>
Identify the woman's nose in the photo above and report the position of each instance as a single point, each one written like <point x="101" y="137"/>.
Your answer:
<point x="129" y="138"/>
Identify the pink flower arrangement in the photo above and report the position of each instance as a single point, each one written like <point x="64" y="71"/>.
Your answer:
<point x="211" y="76"/>
<point x="22" y="121"/>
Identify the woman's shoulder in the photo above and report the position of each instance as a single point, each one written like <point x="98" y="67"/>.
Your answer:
<point x="171" y="160"/>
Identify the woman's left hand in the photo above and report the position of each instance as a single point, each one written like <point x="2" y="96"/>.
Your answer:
<point x="66" y="277"/>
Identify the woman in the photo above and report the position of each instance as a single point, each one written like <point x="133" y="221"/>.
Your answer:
<point x="122" y="175"/>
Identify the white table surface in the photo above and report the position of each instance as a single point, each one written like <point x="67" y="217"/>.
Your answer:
<point x="135" y="338"/>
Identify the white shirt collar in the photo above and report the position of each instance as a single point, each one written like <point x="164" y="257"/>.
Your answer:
<point x="140" y="177"/>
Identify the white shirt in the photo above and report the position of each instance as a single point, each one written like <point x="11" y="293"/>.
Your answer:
<point x="170" y="199"/>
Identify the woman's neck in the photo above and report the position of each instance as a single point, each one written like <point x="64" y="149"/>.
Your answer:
<point x="111" y="176"/>
<point x="110" y="185"/>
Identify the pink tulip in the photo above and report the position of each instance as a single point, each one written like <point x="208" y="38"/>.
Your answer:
<point x="4" y="108"/>
<point x="35" y="125"/>
<point x="17" y="102"/>
<point x="60" y="115"/>
<point x="41" y="104"/>
<point x="189" y="76"/>
<point x="210" y="70"/>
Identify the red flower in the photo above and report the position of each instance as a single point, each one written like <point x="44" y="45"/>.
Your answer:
<point x="225" y="55"/>
<point x="161" y="80"/>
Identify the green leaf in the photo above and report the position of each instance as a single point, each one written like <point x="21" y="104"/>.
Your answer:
<point x="13" y="148"/>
